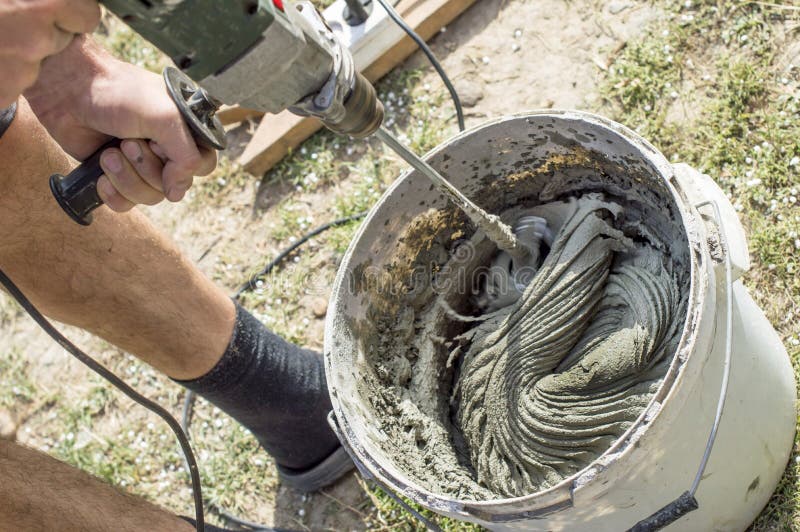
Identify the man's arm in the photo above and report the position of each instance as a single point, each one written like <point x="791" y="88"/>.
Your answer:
<point x="83" y="96"/>
<point x="30" y="31"/>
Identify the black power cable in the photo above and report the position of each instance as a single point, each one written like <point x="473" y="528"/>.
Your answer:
<point x="121" y="385"/>
<point x="431" y="57"/>
<point x="249" y="285"/>
<point x="181" y="429"/>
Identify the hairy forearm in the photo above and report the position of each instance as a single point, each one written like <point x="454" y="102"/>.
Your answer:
<point x="65" y="81"/>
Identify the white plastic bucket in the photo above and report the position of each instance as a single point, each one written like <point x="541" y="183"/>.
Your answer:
<point x="657" y="460"/>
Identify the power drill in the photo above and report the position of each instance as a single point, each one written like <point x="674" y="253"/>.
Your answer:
<point x="266" y="55"/>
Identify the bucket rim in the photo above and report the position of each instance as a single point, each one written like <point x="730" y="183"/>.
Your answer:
<point x="559" y="496"/>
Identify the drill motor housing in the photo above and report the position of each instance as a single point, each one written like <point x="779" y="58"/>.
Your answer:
<point x="259" y="56"/>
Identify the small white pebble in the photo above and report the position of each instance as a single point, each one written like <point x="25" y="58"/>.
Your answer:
<point x="785" y="81"/>
<point x="748" y="160"/>
<point x="794" y="161"/>
<point x="738" y="206"/>
<point x="797" y="243"/>
<point x="444" y="29"/>
<point x="648" y="108"/>
<point x="218" y="423"/>
<point x="743" y="38"/>
<point x="771" y="267"/>
<point x="515" y="47"/>
<point x="754" y="182"/>
<point x="517" y="33"/>
<point x="486" y="60"/>
<point x="673" y="95"/>
<point x="301" y="512"/>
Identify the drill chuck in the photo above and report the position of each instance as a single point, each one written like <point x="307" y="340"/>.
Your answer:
<point x="363" y="111"/>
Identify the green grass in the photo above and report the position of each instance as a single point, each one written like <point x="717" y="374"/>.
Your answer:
<point x="16" y="385"/>
<point x="745" y="133"/>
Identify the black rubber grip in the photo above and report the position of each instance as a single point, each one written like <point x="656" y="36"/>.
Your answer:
<point x="667" y="515"/>
<point x="76" y="192"/>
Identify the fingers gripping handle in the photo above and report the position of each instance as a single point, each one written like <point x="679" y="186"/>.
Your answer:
<point x="76" y="192"/>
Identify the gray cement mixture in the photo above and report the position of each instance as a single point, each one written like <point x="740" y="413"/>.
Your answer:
<point x="549" y="382"/>
<point x="476" y="403"/>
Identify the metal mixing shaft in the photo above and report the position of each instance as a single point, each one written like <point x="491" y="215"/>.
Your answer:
<point x="495" y="230"/>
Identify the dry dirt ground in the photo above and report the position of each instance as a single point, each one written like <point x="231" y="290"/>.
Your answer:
<point x="504" y="57"/>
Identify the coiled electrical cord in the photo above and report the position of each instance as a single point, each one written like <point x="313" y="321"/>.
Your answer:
<point x="431" y="57"/>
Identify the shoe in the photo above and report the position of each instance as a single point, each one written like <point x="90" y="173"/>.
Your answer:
<point x="336" y="465"/>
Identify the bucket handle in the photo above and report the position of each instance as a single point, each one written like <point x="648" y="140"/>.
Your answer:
<point x="687" y="502"/>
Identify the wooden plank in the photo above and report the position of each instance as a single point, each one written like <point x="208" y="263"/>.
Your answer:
<point x="274" y="137"/>
<point x="427" y="19"/>
<point x="277" y="134"/>
<point x="233" y="114"/>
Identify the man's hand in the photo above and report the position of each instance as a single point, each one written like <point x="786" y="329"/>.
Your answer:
<point x="84" y="96"/>
<point x="30" y="31"/>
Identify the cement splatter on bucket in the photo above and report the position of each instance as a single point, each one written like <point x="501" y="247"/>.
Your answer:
<point x="392" y="357"/>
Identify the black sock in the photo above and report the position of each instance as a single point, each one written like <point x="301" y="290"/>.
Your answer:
<point x="275" y="389"/>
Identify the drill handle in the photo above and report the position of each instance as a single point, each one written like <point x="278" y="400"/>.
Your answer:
<point x="76" y="192"/>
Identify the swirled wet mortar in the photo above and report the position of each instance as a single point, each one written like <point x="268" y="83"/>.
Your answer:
<point x="417" y="345"/>
<point x="550" y="382"/>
